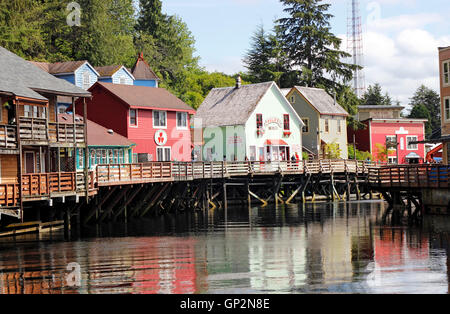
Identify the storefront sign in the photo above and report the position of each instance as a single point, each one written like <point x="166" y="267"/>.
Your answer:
<point x="273" y="124"/>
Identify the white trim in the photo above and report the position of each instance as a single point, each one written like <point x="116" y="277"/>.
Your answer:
<point x="129" y="119"/>
<point x="187" y="120"/>
<point x="416" y="138"/>
<point x="164" y="153"/>
<point x="153" y="120"/>
<point x="448" y="72"/>
<point x="445" y="118"/>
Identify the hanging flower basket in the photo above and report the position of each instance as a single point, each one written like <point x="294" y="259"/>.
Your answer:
<point x="260" y="132"/>
<point x="287" y="134"/>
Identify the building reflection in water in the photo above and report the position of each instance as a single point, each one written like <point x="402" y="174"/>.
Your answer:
<point x="312" y="248"/>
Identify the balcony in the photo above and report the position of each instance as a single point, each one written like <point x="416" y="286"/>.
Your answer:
<point x="66" y="133"/>
<point x="8" y="137"/>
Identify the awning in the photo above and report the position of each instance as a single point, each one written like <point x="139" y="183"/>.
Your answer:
<point x="276" y="143"/>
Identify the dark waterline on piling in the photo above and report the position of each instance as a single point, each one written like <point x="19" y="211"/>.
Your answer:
<point x="322" y="248"/>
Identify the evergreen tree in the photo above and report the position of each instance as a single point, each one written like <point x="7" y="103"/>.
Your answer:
<point x="313" y="50"/>
<point x="150" y="17"/>
<point x="374" y="97"/>
<point x="432" y="101"/>
<point x="420" y="111"/>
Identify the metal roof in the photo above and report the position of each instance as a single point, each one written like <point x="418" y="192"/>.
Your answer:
<point x="142" y="70"/>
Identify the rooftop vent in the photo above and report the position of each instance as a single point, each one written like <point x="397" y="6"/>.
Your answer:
<point x="238" y="81"/>
<point x="110" y="131"/>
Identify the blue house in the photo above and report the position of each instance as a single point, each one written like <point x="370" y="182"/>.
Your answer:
<point x="116" y="74"/>
<point x="79" y="73"/>
<point x="143" y="74"/>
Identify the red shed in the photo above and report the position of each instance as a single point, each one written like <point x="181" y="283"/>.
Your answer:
<point x="157" y="121"/>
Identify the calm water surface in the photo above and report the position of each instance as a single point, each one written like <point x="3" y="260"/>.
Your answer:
<point x="321" y="248"/>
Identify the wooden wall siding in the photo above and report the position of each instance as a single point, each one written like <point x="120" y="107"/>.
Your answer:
<point x="8" y="164"/>
<point x="52" y="110"/>
<point x="4" y="114"/>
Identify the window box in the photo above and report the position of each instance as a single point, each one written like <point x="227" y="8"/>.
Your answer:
<point x="287" y="133"/>
<point x="260" y="132"/>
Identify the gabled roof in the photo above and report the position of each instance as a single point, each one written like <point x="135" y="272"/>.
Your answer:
<point x="381" y="107"/>
<point x="230" y="105"/>
<point x="233" y="106"/>
<point x="59" y="68"/>
<point x="110" y="70"/>
<point x="142" y="97"/>
<point x="21" y="75"/>
<point x="19" y="90"/>
<point x="142" y="70"/>
<point x="98" y="135"/>
<point x="321" y="101"/>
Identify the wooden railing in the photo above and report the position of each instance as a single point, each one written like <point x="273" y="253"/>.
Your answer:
<point x="412" y="176"/>
<point x="65" y="133"/>
<point x="40" y="184"/>
<point x="179" y="171"/>
<point x="33" y="129"/>
<point x="9" y="195"/>
<point x="8" y="136"/>
<point x="143" y="172"/>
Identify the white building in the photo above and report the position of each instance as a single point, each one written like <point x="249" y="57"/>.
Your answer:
<point x="249" y="121"/>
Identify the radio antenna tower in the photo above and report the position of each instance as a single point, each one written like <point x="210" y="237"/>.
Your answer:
<point x="355" y="45"/>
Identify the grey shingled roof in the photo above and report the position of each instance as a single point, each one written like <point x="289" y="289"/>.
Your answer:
<point x="231" y="106"/>
<point x="23" y="75"/>
<point x="7" y="87"/>
<point x="322" y="101"/>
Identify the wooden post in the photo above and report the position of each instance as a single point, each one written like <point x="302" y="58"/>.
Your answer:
<point x="225" y="202"/>
<point x="20" y="159"/>
<point x="86" y="151"/>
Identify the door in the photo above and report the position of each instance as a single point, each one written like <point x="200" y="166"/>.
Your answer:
<point x="164" y="153"/>
<point x="29" y="162"/>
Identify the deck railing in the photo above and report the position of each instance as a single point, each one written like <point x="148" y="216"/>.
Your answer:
<point x="8" y="136"/>
<point x="9" y="195"/>
<point x="65" y="132"/>
<point x="33" y="129"/>
<point x="179" y="171"/>
<point x="142" y="172"/>
<point x="412" y="176"/>
<point x="39" y="184"/>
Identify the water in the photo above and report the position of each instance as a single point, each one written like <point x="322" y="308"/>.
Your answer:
<point x="322" y="248"/>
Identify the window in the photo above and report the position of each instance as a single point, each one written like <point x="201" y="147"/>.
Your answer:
<point x="306" y="127"/>
<point x="410" y="139"/>
<point x="327" y="126"/>
<point x="339" y="124"/>
<point x="392" y="160"/>
<point x="86" y="80"/>
<point x="62" y="109"/>
<point x="80" y="162"/>
<point x="27" y="111"/>
<point x="259" y="121"/>
<point x="92" y="162"/>
<point x="391" y="139"/>
<point x="292" y="99"/>
<point x="182" y="120"/>
<point x="133" y="117"/>
<point x="123" y="80"/>
<point x="163" y="153"/>
<point x="159" y="119"/>
<point x="447" y="108"/>
<point x="286" y="122"/>
<point x="447" y="72"/>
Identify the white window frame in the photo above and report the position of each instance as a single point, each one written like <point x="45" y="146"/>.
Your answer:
<point x="153" y="119"/>
<point x="393" y="137"/>
<point x="164" y="153"/>
<point x="327" y="126"/>
<point x="447" y="110"/>
<point x="446" y="62"/>
<point x="339" y="126"/>
<point x="86" y="80"/>
<point x="182" y="127"/>
<point x="415" y="146"/>
<point x="129" y="118"/>
<point x="392" y="160"/>
<point x="123" y="80"/>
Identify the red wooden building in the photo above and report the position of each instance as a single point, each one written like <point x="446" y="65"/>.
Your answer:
<point x="385" y="128"/>
<point x="157" y="121"/>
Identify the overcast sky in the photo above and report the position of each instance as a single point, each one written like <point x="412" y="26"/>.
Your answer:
<point x="400" y="37"/>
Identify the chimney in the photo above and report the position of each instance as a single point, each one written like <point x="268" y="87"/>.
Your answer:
<point x="238" y="81"/>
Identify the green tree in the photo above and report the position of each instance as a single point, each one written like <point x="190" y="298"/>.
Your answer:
<point x="381" y="152"/>
<point x="420" y="111"/>
<point x="333" y="151"/>
<point x="374" y="97"/>
<point x="360" y="155"/>
<point x="20" y="28"/>
<point x="314" y="51"/>
<point x="431" y="100"/>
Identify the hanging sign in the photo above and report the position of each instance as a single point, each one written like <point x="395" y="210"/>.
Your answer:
<point x="161" y="138"/>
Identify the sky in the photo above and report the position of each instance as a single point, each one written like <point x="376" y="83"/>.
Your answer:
<point x="400" y="37"/>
